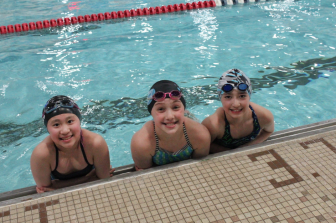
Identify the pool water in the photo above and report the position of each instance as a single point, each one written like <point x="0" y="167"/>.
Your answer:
<point x="287" y="48"/>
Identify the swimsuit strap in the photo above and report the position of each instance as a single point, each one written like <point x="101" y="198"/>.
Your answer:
<point x="254" y="116"/>
<point x="56" y="157"/>
<point x="157" y="139"/>
<point x="83" y="152"/>
<point x="186" y="135"/>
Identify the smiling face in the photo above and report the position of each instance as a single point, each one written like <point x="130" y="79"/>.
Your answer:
<point x="168" y="115"/>
<point x="64" y="130"/>
<point x="235" y="103"/>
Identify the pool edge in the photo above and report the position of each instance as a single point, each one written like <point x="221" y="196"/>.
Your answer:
<point x="123" y="172"/>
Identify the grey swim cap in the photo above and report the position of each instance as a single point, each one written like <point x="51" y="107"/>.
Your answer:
<point x="235" y="77"/>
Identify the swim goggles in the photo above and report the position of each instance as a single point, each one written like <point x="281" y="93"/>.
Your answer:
<point x="229" y="87"/>
<point x="160" y="96"/>
<point x="51" y="106"/>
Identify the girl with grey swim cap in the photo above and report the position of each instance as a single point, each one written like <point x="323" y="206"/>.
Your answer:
<point x="69" y="155"/>
<point x="170" y="136"/>
<point x="239" y="122"/>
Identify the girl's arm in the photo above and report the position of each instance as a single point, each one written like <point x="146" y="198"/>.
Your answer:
<point x="140" y="149"/>
<point x="212" y="123"/>
<point x="40" y="167"/>
<point x="101" y="158"/>
<point x="266" y="121"/>
<point x="200" y="139"/>
<point x="57" y="184"/>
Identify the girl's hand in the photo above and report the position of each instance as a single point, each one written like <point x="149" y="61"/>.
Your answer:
<point x="40" y="190"/>
<point x="137" y="168"/>
<point x="111" y="171"/>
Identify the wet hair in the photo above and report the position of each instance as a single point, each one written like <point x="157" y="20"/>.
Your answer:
<point x="164" y="86"/>
<point x="57" y="105"/>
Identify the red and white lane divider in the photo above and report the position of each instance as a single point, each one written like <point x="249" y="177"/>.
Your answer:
<point x="107" y="16"/>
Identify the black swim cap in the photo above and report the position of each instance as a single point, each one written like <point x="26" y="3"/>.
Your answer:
<point x="57" y="105"/>
<point x="164" y="86"/>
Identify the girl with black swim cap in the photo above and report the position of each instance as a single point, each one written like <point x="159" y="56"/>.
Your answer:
<point x="170" y="136"/>
<point x="239" y="122"/>
<point x="69" y="155"/>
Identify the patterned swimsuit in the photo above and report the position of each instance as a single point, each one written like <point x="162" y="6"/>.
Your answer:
<point x="162" y="156"/>
<point x="228" y="142"/>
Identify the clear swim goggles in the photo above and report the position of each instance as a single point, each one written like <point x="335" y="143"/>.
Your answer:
<point x="160" y="96"/>
<point x="51" y="106"/>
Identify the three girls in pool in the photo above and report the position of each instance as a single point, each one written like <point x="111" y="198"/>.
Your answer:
<point x="71" y="155"/>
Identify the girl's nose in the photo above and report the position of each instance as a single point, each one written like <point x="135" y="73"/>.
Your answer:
<point x="169" y="114"/>
<point x="235" y="103"/>
<point x="65" y="129"/>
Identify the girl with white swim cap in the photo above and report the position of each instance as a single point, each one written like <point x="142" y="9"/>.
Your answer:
<point x="69" y="155"/>
<point x="239" y="122"/>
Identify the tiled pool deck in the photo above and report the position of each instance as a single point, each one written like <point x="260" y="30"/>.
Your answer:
<point x="292" y="180"/>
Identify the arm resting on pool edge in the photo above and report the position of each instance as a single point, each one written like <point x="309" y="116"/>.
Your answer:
<point x="199" y="138"/>
<point x="215" y="126"/>
<point x="141" y="153"/>
<point x="266" y="122"/>
<point x="57" y="184"/>
<point x="141" y="147"/>
<point x="101" y="157"/>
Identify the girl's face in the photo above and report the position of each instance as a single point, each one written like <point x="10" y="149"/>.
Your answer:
<point x="235" y="102"/>
<point x="168" y="115"/>
<point x="64" y="130"/>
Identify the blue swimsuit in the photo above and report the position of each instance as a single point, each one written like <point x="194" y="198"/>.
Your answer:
<point x="80" y="173"/>
<point x="228" y="142"/>
<point x="162" y="156"/>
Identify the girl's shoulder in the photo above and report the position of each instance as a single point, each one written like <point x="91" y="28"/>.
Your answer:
<point x="264" y="115"/>
<point x="216" y="120"/>
<point x="144" y="137"/>
<point x="198" y="134"/>
<point x="91" y="139"/>
<point x="194" y="127"/>
<point x="44" y="149"/>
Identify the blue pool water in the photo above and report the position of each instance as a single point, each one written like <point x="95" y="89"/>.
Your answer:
<point x="286" y="47"/>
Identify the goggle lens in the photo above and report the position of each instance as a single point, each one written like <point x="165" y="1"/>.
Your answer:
<point x="158" y="95"/>
<point x="227" y="88"/>
<point x="175" y="94"/>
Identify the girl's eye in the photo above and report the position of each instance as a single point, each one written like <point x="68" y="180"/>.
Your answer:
<point x="70" y="121"/>
<point x="227" y="96"/>
<point x="56" y="125"/>
<point x="176" y="107"/>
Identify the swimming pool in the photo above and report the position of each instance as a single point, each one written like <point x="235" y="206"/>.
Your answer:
<point x="287" y="48"/>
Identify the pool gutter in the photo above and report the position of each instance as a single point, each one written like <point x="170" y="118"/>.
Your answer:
<point x="28" y="193"/>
